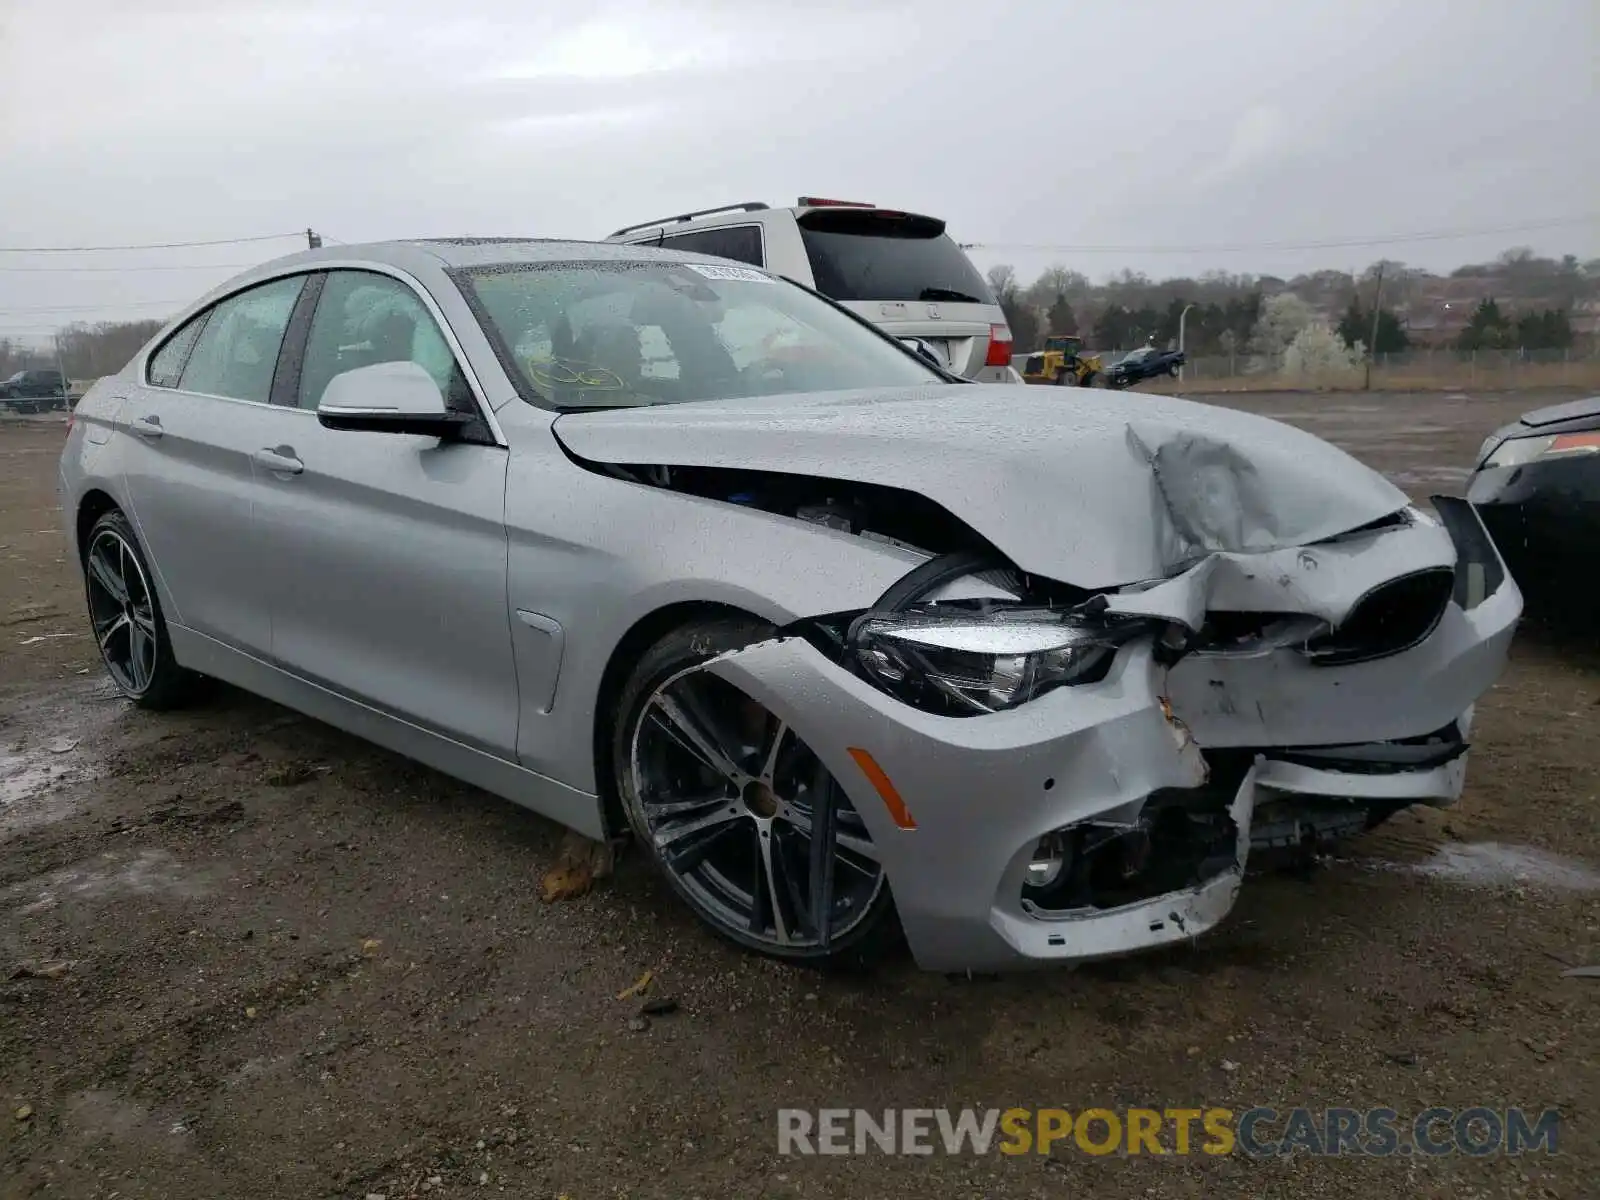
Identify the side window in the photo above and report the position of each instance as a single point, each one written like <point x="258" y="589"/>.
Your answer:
<point x="237" y="351"/>
<point x="739" y="242"/>
<point x="364" y="318"/>
<point x="167" y="363"/>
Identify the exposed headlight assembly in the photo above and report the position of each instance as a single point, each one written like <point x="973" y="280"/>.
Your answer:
<point x="964" y="660"/>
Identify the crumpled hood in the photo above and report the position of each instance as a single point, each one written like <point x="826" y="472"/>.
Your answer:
<point x="1091" y="488"/>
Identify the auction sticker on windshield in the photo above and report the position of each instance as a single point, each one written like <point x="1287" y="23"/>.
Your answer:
<point x="712" y="271"/>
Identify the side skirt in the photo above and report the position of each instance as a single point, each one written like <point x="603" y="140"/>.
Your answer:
<point x="550" y="798"/>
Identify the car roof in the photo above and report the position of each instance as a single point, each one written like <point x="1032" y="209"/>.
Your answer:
<point x="419" y="256"/>
<point x="451" y="253"/>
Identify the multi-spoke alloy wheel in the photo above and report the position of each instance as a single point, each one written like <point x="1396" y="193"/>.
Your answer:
<point x="126" y="617"/>
<point x="122" y="612"/>
<point x="745" y="820"/>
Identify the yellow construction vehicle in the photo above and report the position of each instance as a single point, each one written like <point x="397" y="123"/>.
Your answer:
<point x="1062" y="362"/>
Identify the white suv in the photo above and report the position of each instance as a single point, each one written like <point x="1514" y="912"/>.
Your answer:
<point x="898" y="270"/>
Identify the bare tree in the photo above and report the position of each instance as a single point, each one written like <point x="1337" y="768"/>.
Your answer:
<point x="89" y="351"/>
<point x="1002" y="280"/>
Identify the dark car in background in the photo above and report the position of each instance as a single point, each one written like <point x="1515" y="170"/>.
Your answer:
<point x="34" y="391"/>
<point x="1537" y="488"/>
<point x="1144" y="363"/>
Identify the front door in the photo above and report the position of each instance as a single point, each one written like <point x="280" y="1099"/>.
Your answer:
<point x="386" y="553"/>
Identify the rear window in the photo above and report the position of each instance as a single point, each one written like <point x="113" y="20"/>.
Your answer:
<point x="867" y="255"/>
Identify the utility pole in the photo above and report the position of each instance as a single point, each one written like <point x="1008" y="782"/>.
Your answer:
<point x="313" y="239"/>
<point x="1377" y="310"/>
<point x="1182" y="319"/>
<point x="62" y="371"/>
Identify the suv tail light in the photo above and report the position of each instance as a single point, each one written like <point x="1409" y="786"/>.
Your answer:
<point x="819" y="202"/>
<point x="999" y="346"/>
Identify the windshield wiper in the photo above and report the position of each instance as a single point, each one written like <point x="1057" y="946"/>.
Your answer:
<point x="950" y="294"/>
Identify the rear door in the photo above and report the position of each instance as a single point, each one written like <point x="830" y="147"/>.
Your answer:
<point x="386" y="552"/>
<point x="904" y="273"/>
<point x="186" y="434"/>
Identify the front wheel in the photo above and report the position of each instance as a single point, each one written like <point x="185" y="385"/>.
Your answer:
<point x="125" y="615"/>
<point x="726" y="799"/>
<point x="1175" y="370"/>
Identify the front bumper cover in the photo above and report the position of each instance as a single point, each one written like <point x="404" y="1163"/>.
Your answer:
<point x="983" y="791"/>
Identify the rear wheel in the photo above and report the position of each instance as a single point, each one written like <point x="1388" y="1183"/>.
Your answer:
<point x="726" y="799"/>
<point x="1061" y="377"/>
<point x="125" y="615"/>
<point x="1174" y="370"/>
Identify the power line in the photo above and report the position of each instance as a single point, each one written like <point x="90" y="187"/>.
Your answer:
<point x="265" y="237"/>
<point x="68" y="308"/>
<point x="128" y="270"/>
<point x="1432" y="235"/>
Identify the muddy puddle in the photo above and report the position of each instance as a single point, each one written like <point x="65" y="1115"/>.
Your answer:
<point x="1450" y="476"/>
<point x="144" y="873"/>
<point x="30" y="774"/>
<point x="1499" y="865"/>
<point x="48" y="748"/>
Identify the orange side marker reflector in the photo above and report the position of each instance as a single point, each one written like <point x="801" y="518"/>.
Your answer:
<point x="1575" y="443"/>
<point x="898" y="811"/>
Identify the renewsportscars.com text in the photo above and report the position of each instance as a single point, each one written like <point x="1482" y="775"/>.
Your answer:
<point x="1259" y="1131"/>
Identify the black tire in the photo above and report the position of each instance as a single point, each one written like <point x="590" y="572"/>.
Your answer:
<point x="1088" y="379"/>
<point x="1175" y="370"/>
<point x="1061" y="377"/>
<point x="131" y="633"/>
<point x="27" y="408"/>
<point x="705" y="887"/>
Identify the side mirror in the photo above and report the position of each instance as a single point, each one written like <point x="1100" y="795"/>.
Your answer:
<point x="391" y="397"/>
<point x="918" y="346"/>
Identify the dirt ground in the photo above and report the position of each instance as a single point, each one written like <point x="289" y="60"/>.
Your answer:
<point x="297" y="966"/>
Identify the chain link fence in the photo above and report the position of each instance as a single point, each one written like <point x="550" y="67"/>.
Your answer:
<point x="1411" y="370"/>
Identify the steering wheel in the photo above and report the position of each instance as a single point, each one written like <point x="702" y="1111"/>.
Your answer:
<point x="560" y="372"/>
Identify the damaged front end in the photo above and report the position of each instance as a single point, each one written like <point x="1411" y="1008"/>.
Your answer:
<point x="1047" y="775"/>
<point x="1053" y="772"/>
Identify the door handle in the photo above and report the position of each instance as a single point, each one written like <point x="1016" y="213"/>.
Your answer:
<point x="280" y="460"/>
<point x="148" y="426"/>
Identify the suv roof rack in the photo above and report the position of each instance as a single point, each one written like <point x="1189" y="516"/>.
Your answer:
<point x="747" y="206"/>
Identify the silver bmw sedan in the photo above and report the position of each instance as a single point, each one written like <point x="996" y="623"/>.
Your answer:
<point x="670" y="549"/>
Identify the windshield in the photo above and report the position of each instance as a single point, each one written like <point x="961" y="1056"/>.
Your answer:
<point x="1139" y="355"/>
<point x="628" y="334"/>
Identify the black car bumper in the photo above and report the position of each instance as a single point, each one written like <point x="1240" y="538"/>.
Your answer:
<point x="1545" y="521"/>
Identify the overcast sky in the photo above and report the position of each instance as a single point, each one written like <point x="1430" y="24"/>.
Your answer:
<point x="1215" y="129"/>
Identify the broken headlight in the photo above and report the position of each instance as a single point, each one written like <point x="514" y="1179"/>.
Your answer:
<point x="957" y="660"/>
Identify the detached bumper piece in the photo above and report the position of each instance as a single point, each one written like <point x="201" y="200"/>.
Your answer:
<point x="1480" y="573"/>
<point x="1381" y="758"/>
